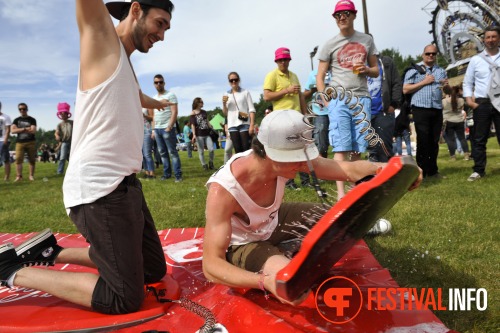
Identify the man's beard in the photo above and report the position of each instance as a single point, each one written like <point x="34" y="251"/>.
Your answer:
<point x="138" y="36"/>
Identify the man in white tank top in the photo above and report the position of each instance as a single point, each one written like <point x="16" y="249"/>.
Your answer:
<point x="101" y="193"/>
<point x="247" y="221"/>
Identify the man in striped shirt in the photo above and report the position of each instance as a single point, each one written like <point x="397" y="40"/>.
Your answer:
<point x="427" y="109"/>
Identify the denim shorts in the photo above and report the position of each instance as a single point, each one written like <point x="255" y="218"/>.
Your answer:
<point x="4" y="152"/>
<point x="124" y="245"/>
<point x="253" y="256"/>
<point x="240" y="128"/>
<point x="344" y="131"/>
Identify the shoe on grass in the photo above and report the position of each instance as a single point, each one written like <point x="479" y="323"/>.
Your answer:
<point x="381" y="227"/>
<point x="475" y="176"/>
<point x="39" y="250"/>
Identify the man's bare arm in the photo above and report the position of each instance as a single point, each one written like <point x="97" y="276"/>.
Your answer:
<point x="219" y="209"/>
<point x="99" y="45"/>
<point x="151" y="103"/>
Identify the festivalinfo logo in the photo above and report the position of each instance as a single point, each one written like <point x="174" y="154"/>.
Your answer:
<point x="339" y="299"/>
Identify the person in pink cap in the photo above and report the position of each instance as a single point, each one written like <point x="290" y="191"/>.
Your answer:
<point x="351" y="57"/>
<point x="63" y="134"/>
<point x="282" y="89"/>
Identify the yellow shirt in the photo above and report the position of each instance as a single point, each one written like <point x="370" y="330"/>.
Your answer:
<point x="277" y="81"/>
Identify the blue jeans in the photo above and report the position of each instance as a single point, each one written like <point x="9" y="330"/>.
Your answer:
<point x="63" y="156"/>
<point x="147" y="150"/>
<point x="201" y="141"/>
<point x="167" y="142"/>
<point x="398" y="147"/>
<point x="321" y="124"/>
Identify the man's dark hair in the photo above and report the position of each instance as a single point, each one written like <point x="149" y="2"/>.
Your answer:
<point x="492" y="28"/>
<point x="258" y="148"/>
<point x="24" y="104"/>
<point x="169" y="7"/>
<point x="159" y="76"/>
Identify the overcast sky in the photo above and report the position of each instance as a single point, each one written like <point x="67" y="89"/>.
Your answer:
<point x="39" y="46"/>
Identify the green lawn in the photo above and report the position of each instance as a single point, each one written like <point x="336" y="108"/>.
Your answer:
<point x="446" y="234"/>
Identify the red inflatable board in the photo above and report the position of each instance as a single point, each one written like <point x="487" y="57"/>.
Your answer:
<point x="344" y="224"/>
<point x="238" y="310"/>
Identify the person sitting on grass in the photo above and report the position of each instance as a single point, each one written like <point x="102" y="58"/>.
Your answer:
<point x="246" y="219"/>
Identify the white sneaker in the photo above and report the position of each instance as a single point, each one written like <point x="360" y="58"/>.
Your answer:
<point x="474" y="176"/>
<point x="381" y="227"/>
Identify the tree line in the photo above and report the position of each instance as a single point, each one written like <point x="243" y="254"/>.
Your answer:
<point x="401" y="62"/>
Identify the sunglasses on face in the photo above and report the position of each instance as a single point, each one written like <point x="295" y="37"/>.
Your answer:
<point x="22" y="109"/>
<point x="159" y="82"/>
<point x="430" y="54"/>
<point x="234" y="80"/>
<point x="338" y="15"/>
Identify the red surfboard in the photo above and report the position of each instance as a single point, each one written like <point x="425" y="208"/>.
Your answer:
<point x="344" y="225"/>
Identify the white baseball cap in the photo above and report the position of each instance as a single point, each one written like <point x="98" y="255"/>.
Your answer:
<point x="287" y="136"/>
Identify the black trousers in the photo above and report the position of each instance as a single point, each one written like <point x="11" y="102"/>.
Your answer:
<point x="124" y="245"/>
<point x="383" y="124"/>
<point x="428" y="124"/>
<point x="483" y="116"/>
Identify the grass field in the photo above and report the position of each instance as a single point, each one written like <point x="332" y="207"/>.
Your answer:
<point x="446" y="234"/>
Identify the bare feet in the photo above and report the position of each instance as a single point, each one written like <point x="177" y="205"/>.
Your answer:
<point x="18" y="178"/>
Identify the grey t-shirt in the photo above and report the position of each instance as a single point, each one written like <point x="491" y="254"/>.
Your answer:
<point x="341" y="52"/>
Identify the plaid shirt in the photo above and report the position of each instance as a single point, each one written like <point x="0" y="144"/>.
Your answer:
<point x="431" y="95"/>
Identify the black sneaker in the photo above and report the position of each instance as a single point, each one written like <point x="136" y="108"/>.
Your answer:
<point x="211" y="165"/>
<point x="9" y="263"/>
<point x="39" y="250"/>
<point x="293" y="186"/>
<point x="205" y="167"/>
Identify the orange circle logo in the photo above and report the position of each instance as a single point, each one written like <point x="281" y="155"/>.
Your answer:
<point x="338" y="300"/>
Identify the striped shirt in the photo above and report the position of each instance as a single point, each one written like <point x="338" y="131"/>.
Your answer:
<point x="431" y="95"/>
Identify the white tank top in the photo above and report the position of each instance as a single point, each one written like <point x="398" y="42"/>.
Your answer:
<point x="107" y="137"/>
<point x="263" y="220"/>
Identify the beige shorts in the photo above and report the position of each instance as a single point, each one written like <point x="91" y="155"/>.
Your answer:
<point x="252" y="256"/>
<point x="26" y="147"/>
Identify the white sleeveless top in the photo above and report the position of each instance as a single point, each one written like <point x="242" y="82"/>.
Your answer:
<point x="263" y="220"/>
<point x="107" y="137"/>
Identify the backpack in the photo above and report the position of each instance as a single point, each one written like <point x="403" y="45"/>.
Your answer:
<point x="494" y="85"/>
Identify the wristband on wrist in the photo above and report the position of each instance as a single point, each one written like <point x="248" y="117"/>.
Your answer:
<point x="261" y="283"/>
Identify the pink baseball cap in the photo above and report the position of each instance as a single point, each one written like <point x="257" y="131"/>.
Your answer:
<point x="282" y="53"/>
<point x="345" y="5"/>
